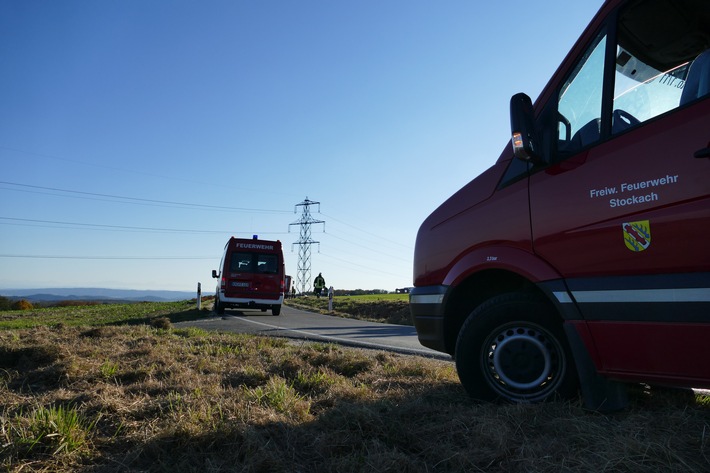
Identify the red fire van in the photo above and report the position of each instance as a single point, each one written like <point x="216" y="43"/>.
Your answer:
<point x="251" y="276"/>
<point x="580" y="259"/>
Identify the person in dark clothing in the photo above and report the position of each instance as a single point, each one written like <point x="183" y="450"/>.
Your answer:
<point x="319" y="284"/>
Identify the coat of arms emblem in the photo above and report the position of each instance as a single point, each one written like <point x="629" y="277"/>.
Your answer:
<point x="637" y="235"/>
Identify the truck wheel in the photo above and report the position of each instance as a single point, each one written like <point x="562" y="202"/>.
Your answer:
<point x="511" y="349"/>
<point x="276" y="310"/>
<point x="218" y="308"/>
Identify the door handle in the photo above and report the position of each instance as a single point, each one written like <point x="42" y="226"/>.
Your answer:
<point x="702" y="153"/>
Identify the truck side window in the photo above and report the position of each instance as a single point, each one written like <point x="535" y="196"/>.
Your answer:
<point x="642" y="92"/>
<point x="652" y="60"/>
<point x="580" y="101"/>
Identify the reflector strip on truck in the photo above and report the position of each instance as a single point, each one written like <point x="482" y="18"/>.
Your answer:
<point x="637" y="295"/>
<point x="426" y="299"/>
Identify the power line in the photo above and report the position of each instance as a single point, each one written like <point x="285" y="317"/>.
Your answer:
<point x="368" y="269"/>
<point x="95" y="226"/>
<point x="369" y="233"/>
<point x="368" y="248"/>
<point x="84" y="163"/>
<point x="74" y="257"/>
<point x="95" y="163"/>
<point x="133" y="200"/>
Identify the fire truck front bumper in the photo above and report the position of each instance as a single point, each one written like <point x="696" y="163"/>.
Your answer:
<point x="426" y="304"/>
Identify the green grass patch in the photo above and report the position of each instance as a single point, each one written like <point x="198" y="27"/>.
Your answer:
<point x="387" y="308"/>
<point x="54" y="430"/>
<point x="104" y="314"/>
<point x="365" y="298"/>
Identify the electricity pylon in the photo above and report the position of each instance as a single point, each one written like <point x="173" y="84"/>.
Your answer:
<point x="303" y="275"/>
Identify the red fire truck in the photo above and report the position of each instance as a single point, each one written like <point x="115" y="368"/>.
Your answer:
<point x="251" y="276"/>
<point x="580" y="259"/>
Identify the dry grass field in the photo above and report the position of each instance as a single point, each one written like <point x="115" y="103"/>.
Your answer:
<point x="82" y="390"/>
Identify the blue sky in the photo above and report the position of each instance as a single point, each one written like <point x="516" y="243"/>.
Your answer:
<point x="137" y="136"/>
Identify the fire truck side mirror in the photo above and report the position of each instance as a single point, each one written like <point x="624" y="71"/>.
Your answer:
<point x="522" y="125"/>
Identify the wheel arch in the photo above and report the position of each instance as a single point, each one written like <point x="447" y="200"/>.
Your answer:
<point x="477" y="289"/>
<point x="486" y="272"/>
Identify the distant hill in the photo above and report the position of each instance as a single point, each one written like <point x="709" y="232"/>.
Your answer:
<point x="96" y="294"/>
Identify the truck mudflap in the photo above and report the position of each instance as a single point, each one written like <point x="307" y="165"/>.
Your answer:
<point x="599" y="393"/>
<point x="426" y="305"/>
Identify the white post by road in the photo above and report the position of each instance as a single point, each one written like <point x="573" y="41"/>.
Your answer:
<point x="330" y="299"/>
<point x="199" y="296"/>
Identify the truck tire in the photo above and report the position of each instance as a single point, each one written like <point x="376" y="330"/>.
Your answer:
<point x="276" y="310"/>
<point x="510" y="348"/>
<point x="218" y="307"/>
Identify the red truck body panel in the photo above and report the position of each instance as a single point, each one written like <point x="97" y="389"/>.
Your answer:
<point x="610" y="222"/>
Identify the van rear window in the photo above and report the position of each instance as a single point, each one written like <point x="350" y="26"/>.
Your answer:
<point x="261" y="263"/>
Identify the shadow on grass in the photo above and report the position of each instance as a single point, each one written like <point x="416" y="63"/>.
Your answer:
<point x="438" y="430"/>
<point x="166" y="320"/>
<point x="347" y="435"/>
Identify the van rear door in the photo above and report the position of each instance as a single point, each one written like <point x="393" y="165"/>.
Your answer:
<point x="253" y="275"/>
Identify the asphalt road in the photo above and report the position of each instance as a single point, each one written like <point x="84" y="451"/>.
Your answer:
<point x="300" y="324"/>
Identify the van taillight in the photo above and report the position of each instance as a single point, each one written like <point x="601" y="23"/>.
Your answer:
<point x="283" y="285"/>
<point x="223" y="284"/>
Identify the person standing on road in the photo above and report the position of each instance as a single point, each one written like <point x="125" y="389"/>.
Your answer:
<point x="319" y="284"/>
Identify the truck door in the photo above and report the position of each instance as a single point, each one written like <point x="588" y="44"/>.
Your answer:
<point x="623" y="211"/>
